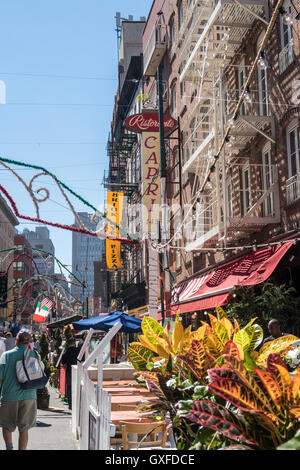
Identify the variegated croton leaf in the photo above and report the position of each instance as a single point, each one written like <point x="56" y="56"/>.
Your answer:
<point x="139" y="356"/>
<point x="221" y="420"/>
<point x="274" y="359"/>
<point x="249" y="381"/>
<point x="153" y="376"/>
<point x="236" y="393"/>
<point x="155" y="389"/>
<point x="197" y="360"/>
<point x="237" y="447"/>
<point x="221" y="373"/>
<point x="191" y="367"/>
<point x="231" y="349"/>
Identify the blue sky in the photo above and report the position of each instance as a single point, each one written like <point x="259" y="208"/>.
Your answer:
<point x="59" y="123"/>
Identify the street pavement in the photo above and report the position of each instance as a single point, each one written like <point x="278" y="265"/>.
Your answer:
<point x="53" y="430"/>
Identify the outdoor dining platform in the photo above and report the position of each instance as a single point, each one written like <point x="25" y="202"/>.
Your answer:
<point x="106" y="396"/>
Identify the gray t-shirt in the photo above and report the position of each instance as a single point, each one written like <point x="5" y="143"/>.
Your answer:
<point x="10" y="343"/>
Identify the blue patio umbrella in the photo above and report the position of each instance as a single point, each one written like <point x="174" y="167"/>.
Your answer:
<point x="106" y="322"/>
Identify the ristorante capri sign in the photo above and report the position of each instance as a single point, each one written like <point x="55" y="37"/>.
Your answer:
<point x="149" y="122"/>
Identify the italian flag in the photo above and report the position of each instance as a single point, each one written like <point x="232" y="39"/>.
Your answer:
<point x="41" y="313"/>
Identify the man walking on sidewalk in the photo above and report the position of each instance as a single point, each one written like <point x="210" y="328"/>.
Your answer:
<point x="18" y="407"/>
<point x="68" y="360"/>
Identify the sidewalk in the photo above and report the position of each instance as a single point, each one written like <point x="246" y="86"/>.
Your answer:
<point x="53" y="430"/>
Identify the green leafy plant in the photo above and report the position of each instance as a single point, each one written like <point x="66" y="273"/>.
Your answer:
<point x="44" y="351"/>
<point x="43" y="394"/>
<point x="292" y="444"/>
<point x="184" y="369"/>
<point x="57" y="342"/>
<point x="266" y="301"/>
<point x="67" y="335"/>
<point x="292" y="358"/>
<point x="264" y="406"/>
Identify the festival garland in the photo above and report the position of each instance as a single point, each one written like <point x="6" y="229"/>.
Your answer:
<point x="127" y="240"/>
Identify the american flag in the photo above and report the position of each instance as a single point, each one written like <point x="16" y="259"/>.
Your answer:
<point x="46" y="303"/>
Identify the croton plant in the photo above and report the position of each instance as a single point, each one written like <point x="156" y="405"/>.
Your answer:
<point x="217" y="389"/>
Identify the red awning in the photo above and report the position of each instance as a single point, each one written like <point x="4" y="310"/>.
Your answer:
<point x="215" y="287"/>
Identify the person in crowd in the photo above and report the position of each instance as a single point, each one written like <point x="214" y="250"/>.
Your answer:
<point x="2" y="344"/>
<point x="274" y="330"/>
<point x="69" y="359"/>
<point x="10" y="341"/>
<point x="36" y="344"/>
<point x="18" y="407"/>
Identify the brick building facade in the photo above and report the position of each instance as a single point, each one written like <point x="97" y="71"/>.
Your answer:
<point x="231" y="77"/>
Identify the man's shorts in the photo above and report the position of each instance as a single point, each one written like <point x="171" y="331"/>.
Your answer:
<point x="21" y="414"/>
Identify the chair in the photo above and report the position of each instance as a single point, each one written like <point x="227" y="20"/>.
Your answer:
<point x="124" y="407"/>
<point x="121" y="407"/>
<point x="151" y="430"/>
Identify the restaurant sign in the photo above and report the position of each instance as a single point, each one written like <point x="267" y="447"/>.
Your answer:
<point x="148" y="122"/>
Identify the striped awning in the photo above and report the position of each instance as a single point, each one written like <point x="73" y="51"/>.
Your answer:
<point x="216" y="286"/>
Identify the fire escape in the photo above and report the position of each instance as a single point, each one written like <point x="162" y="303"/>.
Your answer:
<point x="241" y="196"/>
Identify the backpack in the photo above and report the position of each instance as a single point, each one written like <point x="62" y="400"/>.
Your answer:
<point x="30" y="371"/>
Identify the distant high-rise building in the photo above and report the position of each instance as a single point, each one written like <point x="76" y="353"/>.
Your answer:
<point x="85" y="250"/>
<point x="41" y="240"/>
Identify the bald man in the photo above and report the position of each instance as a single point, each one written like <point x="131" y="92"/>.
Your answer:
<point x="274" y="330"/>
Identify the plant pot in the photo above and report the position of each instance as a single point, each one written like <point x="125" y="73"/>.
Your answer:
<point x="43" y="399"/>
<point x="43" y="403"/>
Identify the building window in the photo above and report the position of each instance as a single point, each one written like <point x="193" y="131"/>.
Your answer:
<point x="246" y="189"/>
<point x="19" y="266"/>
<point x="293" y="149"/>
<point x="174" y="100"/>
<point x="229" y="199"/>
<point x="241" y="84"/>
<point x="267" y="179"/>
<point x="285" y="29"/>
<point x="183" y="94"/>
<point x="286" y="55"/>
<point x="262" y="84"/>
<point x="172" y="33"/>
<point x="180" y="16"/>
<point x="226" y="102"/>
<point x="194" y="135"/>
<point x="178" y="256"/>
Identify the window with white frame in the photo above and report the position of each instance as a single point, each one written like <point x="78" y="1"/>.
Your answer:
<point x="241" y="84"/>
<point x="262" y="83"/>
<point x="183" y="94"/>
<point x="194" y="135"/>
<point x="285" y="29"/>
<point x="226" y="101"/>
<point x="172" y="33"/>
<point x="174" y="100"/>
<point x="246" y="189"/>
<point x="286" y="55"/>
<point x="180" y="16"/>
<point x="229" y="198"/>
<point x="293" y="149"/>
<point x="267" y="174"/>
<point x="178" y="256"/>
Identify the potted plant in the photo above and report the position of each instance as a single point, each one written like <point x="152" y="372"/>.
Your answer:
<point x="43" y="396"/>
<point x="57" y="345"/>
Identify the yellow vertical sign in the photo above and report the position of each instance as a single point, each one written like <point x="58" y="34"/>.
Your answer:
<point x="114" y="215"/>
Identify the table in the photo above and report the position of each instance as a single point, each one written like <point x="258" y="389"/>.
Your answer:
<point x="116" y="383"/>
<point x="127" y="391"/>
<point x="130" y="416"/>
<point x="129" y="400"/>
